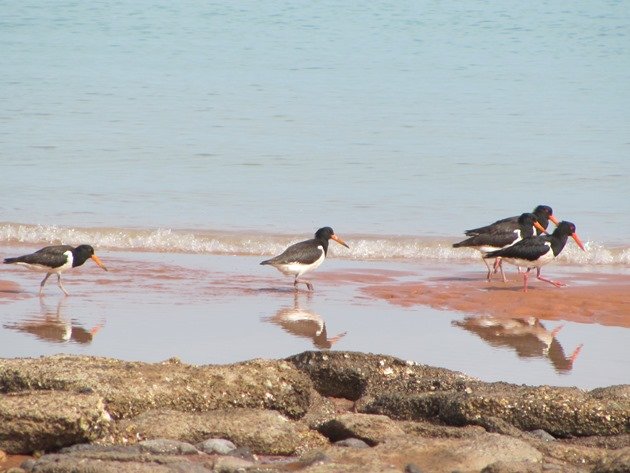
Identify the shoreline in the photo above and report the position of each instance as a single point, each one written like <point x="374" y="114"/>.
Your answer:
<point x="226" y="309"/>
<point x="314" y="412"/>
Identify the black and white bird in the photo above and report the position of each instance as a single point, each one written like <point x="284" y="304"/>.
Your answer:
<point x="543" y="214"/>
<point x="501" y="236"/>
<point x="55" y="260"/>
<point x="535" y="252"/>
<point x="305" y="256"/>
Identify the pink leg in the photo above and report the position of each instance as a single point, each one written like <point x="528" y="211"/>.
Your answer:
<point x="555" y="283"/>
<point x="309" y="286"/>
<point x="489" y="275"/>
<point x="501" y="269"/>
<point x="525" y="276"/>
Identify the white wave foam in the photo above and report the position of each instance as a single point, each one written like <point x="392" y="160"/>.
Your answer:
<point x="224" y="243"/>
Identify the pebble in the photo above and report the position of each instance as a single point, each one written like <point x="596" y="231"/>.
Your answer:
<point x="167" y="447"/>
<point x="220" y="446"/>
<point x="542" y="435"/>
<point x="351" y="443"/>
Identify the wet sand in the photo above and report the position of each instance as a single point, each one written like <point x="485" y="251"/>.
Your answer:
<point x="587" y="298"/>
<point x="208" y="309"/>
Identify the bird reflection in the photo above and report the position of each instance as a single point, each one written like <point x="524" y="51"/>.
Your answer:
<point x="527" y="336"/>
<point x="52" y="326"/>
<point x="305" y="324"/>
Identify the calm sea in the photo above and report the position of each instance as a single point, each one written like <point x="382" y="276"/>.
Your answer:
<point x="232" y="127"/>
<point x="160" y="130"/>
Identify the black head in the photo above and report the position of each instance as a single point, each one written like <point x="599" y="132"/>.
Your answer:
<point x="85" y="251"/>
<point x="564" y="228"/>
<point x="324" y="233"/>
<point x="527" y="218"/>
<point x="543" y="210"/>
<point x="82" y="253"/>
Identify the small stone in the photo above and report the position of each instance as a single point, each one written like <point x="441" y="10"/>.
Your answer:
<point x="230" y="464"/>
<point x="351" y="443"/>
<point x="542" y="435"/>
<point x="244" y="453"/>
<point x="411" y="468"/>
<point x="167" y="447"/>
<point x="220" y="446"/>
<point x="28" y="465"/>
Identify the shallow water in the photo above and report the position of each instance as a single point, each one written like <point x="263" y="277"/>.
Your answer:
<point x="222" y="309"/>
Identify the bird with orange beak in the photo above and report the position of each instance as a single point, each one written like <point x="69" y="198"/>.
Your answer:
<point x="55" y="260"/>
<point x="534" y="252"/>
<point x="305" y="256"/>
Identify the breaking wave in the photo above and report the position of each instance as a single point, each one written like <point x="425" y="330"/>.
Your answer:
<point x="369" y="247"/>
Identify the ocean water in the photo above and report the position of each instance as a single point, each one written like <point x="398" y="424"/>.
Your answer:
<point x="416" y="119"/>
<point x="235" y="128"/>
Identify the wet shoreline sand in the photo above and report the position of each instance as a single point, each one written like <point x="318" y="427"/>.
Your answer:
<point x="209" y="309"/>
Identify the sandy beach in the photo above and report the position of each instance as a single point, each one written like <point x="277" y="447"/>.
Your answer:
<point x="588" y="298"/>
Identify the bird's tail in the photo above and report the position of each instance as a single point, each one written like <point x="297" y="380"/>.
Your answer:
<point x="10" y="260"/>
<point x="265" y="262"/>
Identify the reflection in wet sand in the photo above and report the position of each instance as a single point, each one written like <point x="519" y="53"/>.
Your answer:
<point x="527" y="336"/>
<point x="53" y="326"/>
<point x="305" y="324"/>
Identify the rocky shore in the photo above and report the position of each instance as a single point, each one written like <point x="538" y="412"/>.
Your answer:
<point x="314" y="412"/>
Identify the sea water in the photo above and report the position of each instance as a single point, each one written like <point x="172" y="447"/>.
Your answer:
<point x="158" y="131"/>
<point x="417" y="119"/>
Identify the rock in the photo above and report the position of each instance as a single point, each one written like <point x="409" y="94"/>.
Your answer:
<point x="372" y="429"/>
<point x="442" y="455"/>
<point x="617" y="462"/>
<point x="167" y="447"/>
<point x="353" y="375"/>
<point x="513" y="467"/>
<point x="125" y="459"/>
<point x="411" y="468"/>
<point x="264" y="432"/>
<point x="129" y="388"/>
<point x="56" y="463"/>
<point x="563" y="412"/>
<point x="38" y="421"/>
<point x="427" y="429"/>
<point x="351" y="443"/>
<point x="542" y="435"/>
<point x="220" y="446"/>
<point x="230" y="464"/>
<point x="243" y="453"/>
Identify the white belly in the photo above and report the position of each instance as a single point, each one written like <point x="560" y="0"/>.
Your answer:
<point x="297" y="269"/>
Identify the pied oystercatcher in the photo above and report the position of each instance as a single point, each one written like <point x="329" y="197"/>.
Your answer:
<point x="501" y="235"/>
<point x="305" y="256"/>
<point x="534" y="252"/>
<point x="543" y="214"/>
<point x="55" y="260"/>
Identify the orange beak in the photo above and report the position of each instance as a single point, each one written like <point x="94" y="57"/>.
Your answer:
<point x="554" y="220"/>
<point x="98" y="262"/>
<point x="540" y="227"/>
<point x="577" y="240"/>
<point x="339" y="240"/>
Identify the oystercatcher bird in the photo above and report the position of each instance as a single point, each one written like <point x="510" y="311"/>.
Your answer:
<point x="55" y="260"/>
<point x="501" y="236"/>
<point x="305" y="256"/>
<point x="536" y="251"/>
<point x="543" y="214"/>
